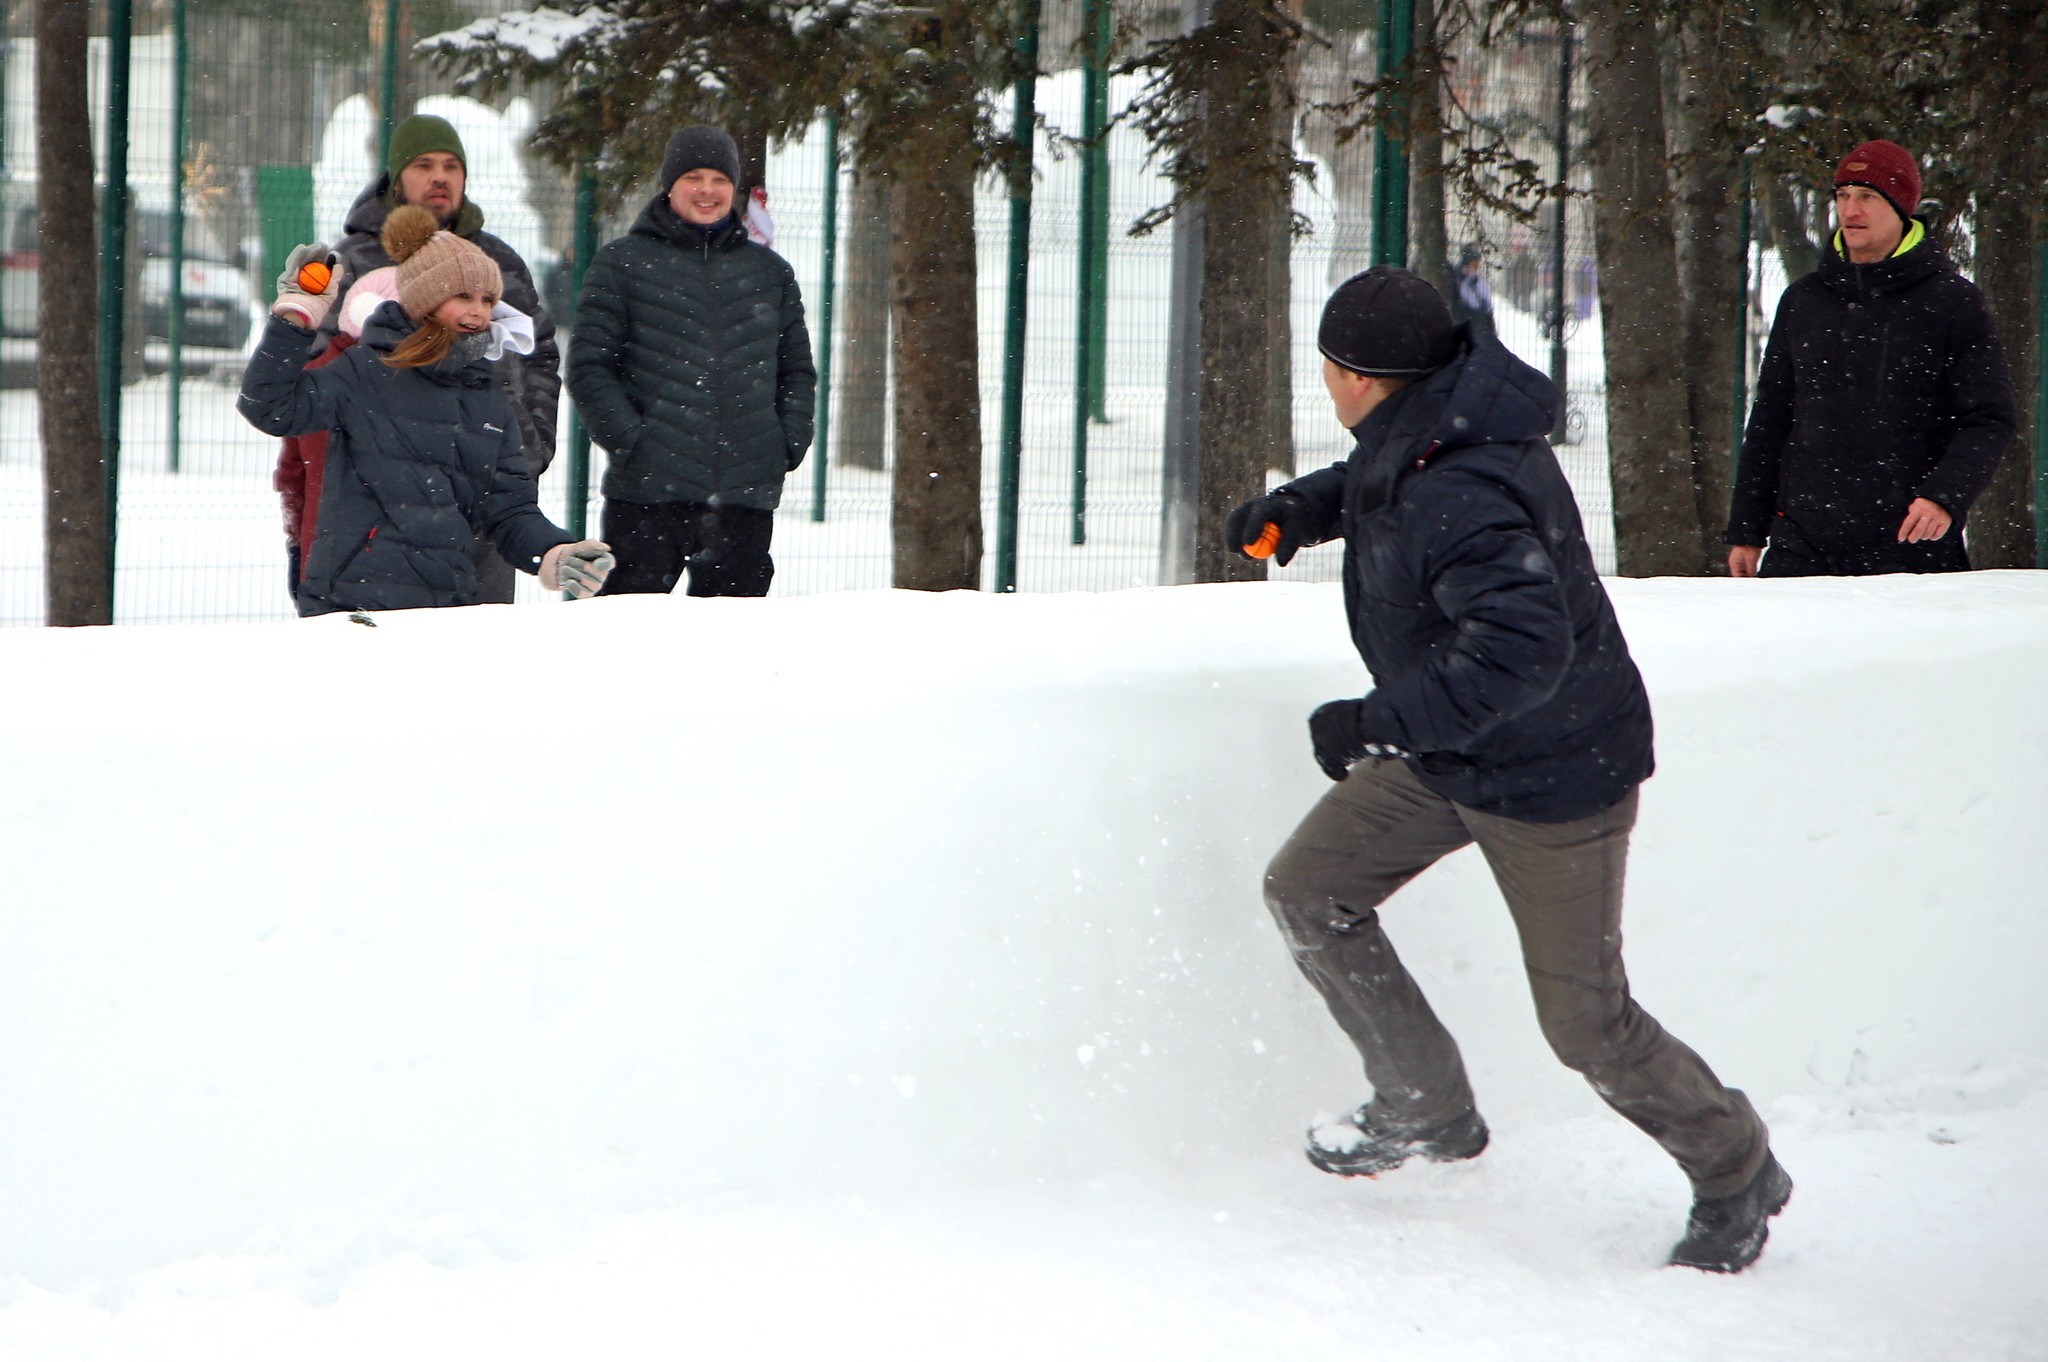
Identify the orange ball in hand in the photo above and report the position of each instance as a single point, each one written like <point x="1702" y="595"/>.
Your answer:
<point x="1268" y="541"/>
<point x="314" y="275"/>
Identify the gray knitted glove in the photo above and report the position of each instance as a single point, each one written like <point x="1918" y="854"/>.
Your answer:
<point x="579" y="568"/>
<point x="294" y="302"/>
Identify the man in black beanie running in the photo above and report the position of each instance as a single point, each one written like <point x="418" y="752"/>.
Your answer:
<point x="692" y="367"/>
<point x="1505" y="711"/>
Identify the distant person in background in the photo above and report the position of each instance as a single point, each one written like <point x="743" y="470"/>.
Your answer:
<point x="423" y="449"/>
<point x="1471" y="295"/>
<point x="429" y="167"/>
<point x="1884" y="402"/>
<point x="692" y="367"/>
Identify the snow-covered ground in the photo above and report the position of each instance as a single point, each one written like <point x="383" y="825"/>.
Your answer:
<point x="884" y="975"/>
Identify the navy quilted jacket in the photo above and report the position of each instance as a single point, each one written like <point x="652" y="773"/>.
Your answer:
<point x="1495" y="654"/>
<point x="690" y="364"/>
<point x="419" y="463"/>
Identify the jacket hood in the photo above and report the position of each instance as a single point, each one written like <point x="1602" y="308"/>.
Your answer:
<point x="375" y="203"/>
<point x="1894" y="275"/>
<point x="1484" y="396"/>
<point x="662" y="222"/>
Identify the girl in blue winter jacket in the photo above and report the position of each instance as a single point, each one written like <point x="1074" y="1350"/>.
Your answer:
<point x="423" y="450"/>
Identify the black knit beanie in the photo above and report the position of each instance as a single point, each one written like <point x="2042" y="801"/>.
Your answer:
<point x="700" y="148"/>
<point x="1387" y="323"/>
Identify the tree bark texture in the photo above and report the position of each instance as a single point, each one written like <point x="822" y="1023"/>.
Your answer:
<point x="936" y="512"/>
<point x="1247" y="126"/>
<point x="1783" y="215"/>
<point x="861" y="377"/>
<point x="76" y="517"/>
<point x="2001" y="524"/>
<point x="1279" y="442"/>
<point x="2009" y="228"/>
<point x="1711" y="69"/>
<point x="1656" y="521"/>
<point x="1429" y="245"/>
<point x="751" y="139"/>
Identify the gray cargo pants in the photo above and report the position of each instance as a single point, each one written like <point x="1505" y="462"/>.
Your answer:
<point x="1381" y="827"/>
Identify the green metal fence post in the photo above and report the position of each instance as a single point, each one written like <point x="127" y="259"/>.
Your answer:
<point x="1390" y="154"/>
<point x="582" y="245"/>
<point x="387" y="84"/>
<point x="1091" y="260"/>
<point x="828" y="269"/>
<point x="1559" y="371"/>
<point x="1010" y="455"/>
<point x="1095" y="169"/>
<point x="175" y="331"/>
<point x="114" y="264"/>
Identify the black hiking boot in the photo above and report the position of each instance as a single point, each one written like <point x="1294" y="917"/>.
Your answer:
<point x="1354" y="1147"/>
<point x="1725" y="1234"/>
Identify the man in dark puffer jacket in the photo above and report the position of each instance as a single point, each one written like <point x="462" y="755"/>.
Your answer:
<point x="1884" y="402"/>
<point x="1505" y="711"/>
<point x="690" y="364"/>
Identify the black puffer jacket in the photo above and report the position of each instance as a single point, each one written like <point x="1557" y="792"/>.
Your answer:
<point x="419" y="463"/>
<point x="1881" y="383"/>
<point x="690" y="364"/>
<point x="1494" y="651"/>
<point x="534" y="381"/>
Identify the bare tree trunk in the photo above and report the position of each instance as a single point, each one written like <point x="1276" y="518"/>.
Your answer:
<point x="1790" y="235"/>
<point x="1710" y="70"/>
<point x="1248" y="124"/>
<point x="1280" y="288"/>
<point x="862" y="374"/>
<point x="2001" y="525"/>
<point x="78" y="577"/>
<point x="1429" y="243"/>
<point x="937" y="487"/>
<point x="1279" y="442"/>
<point x="752" y="140"/>
<point x="1656" y="520"/>
<point x="2008" y="262"/>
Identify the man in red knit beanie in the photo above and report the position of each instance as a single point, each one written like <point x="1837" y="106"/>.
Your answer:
<point x="1884" y="403"/>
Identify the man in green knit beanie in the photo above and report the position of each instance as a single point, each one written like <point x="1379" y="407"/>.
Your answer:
<point x="429" y="166"/>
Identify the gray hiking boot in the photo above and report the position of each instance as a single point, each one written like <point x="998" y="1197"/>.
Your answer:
<point x="1725" y="1234"/>
<point x="1355" y="1147"/>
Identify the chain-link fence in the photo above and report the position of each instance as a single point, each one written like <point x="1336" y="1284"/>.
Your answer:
<point x="282" y="103"/>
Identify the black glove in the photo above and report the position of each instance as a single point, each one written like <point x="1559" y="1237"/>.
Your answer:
<point x="1283" y="509"/>
<point x="1336" y="731"/>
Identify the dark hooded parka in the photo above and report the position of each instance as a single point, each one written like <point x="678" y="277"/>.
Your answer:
<point x="1495" y="654"/>
<point x="419" y="463"/>
<point x="691" y="364"/>
<point x="1881" y="383"/>
<point x="533" y="381"/>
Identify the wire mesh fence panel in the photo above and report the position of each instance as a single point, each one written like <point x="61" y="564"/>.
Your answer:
<point x="282" y="133"/>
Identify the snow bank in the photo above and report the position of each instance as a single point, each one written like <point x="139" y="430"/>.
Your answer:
<point x="517" y="917"/>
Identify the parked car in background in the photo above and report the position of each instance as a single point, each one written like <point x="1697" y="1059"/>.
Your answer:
<point x="219" y="306"/>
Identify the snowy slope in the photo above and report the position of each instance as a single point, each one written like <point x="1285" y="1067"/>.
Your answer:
<point x="885" y="974"/>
